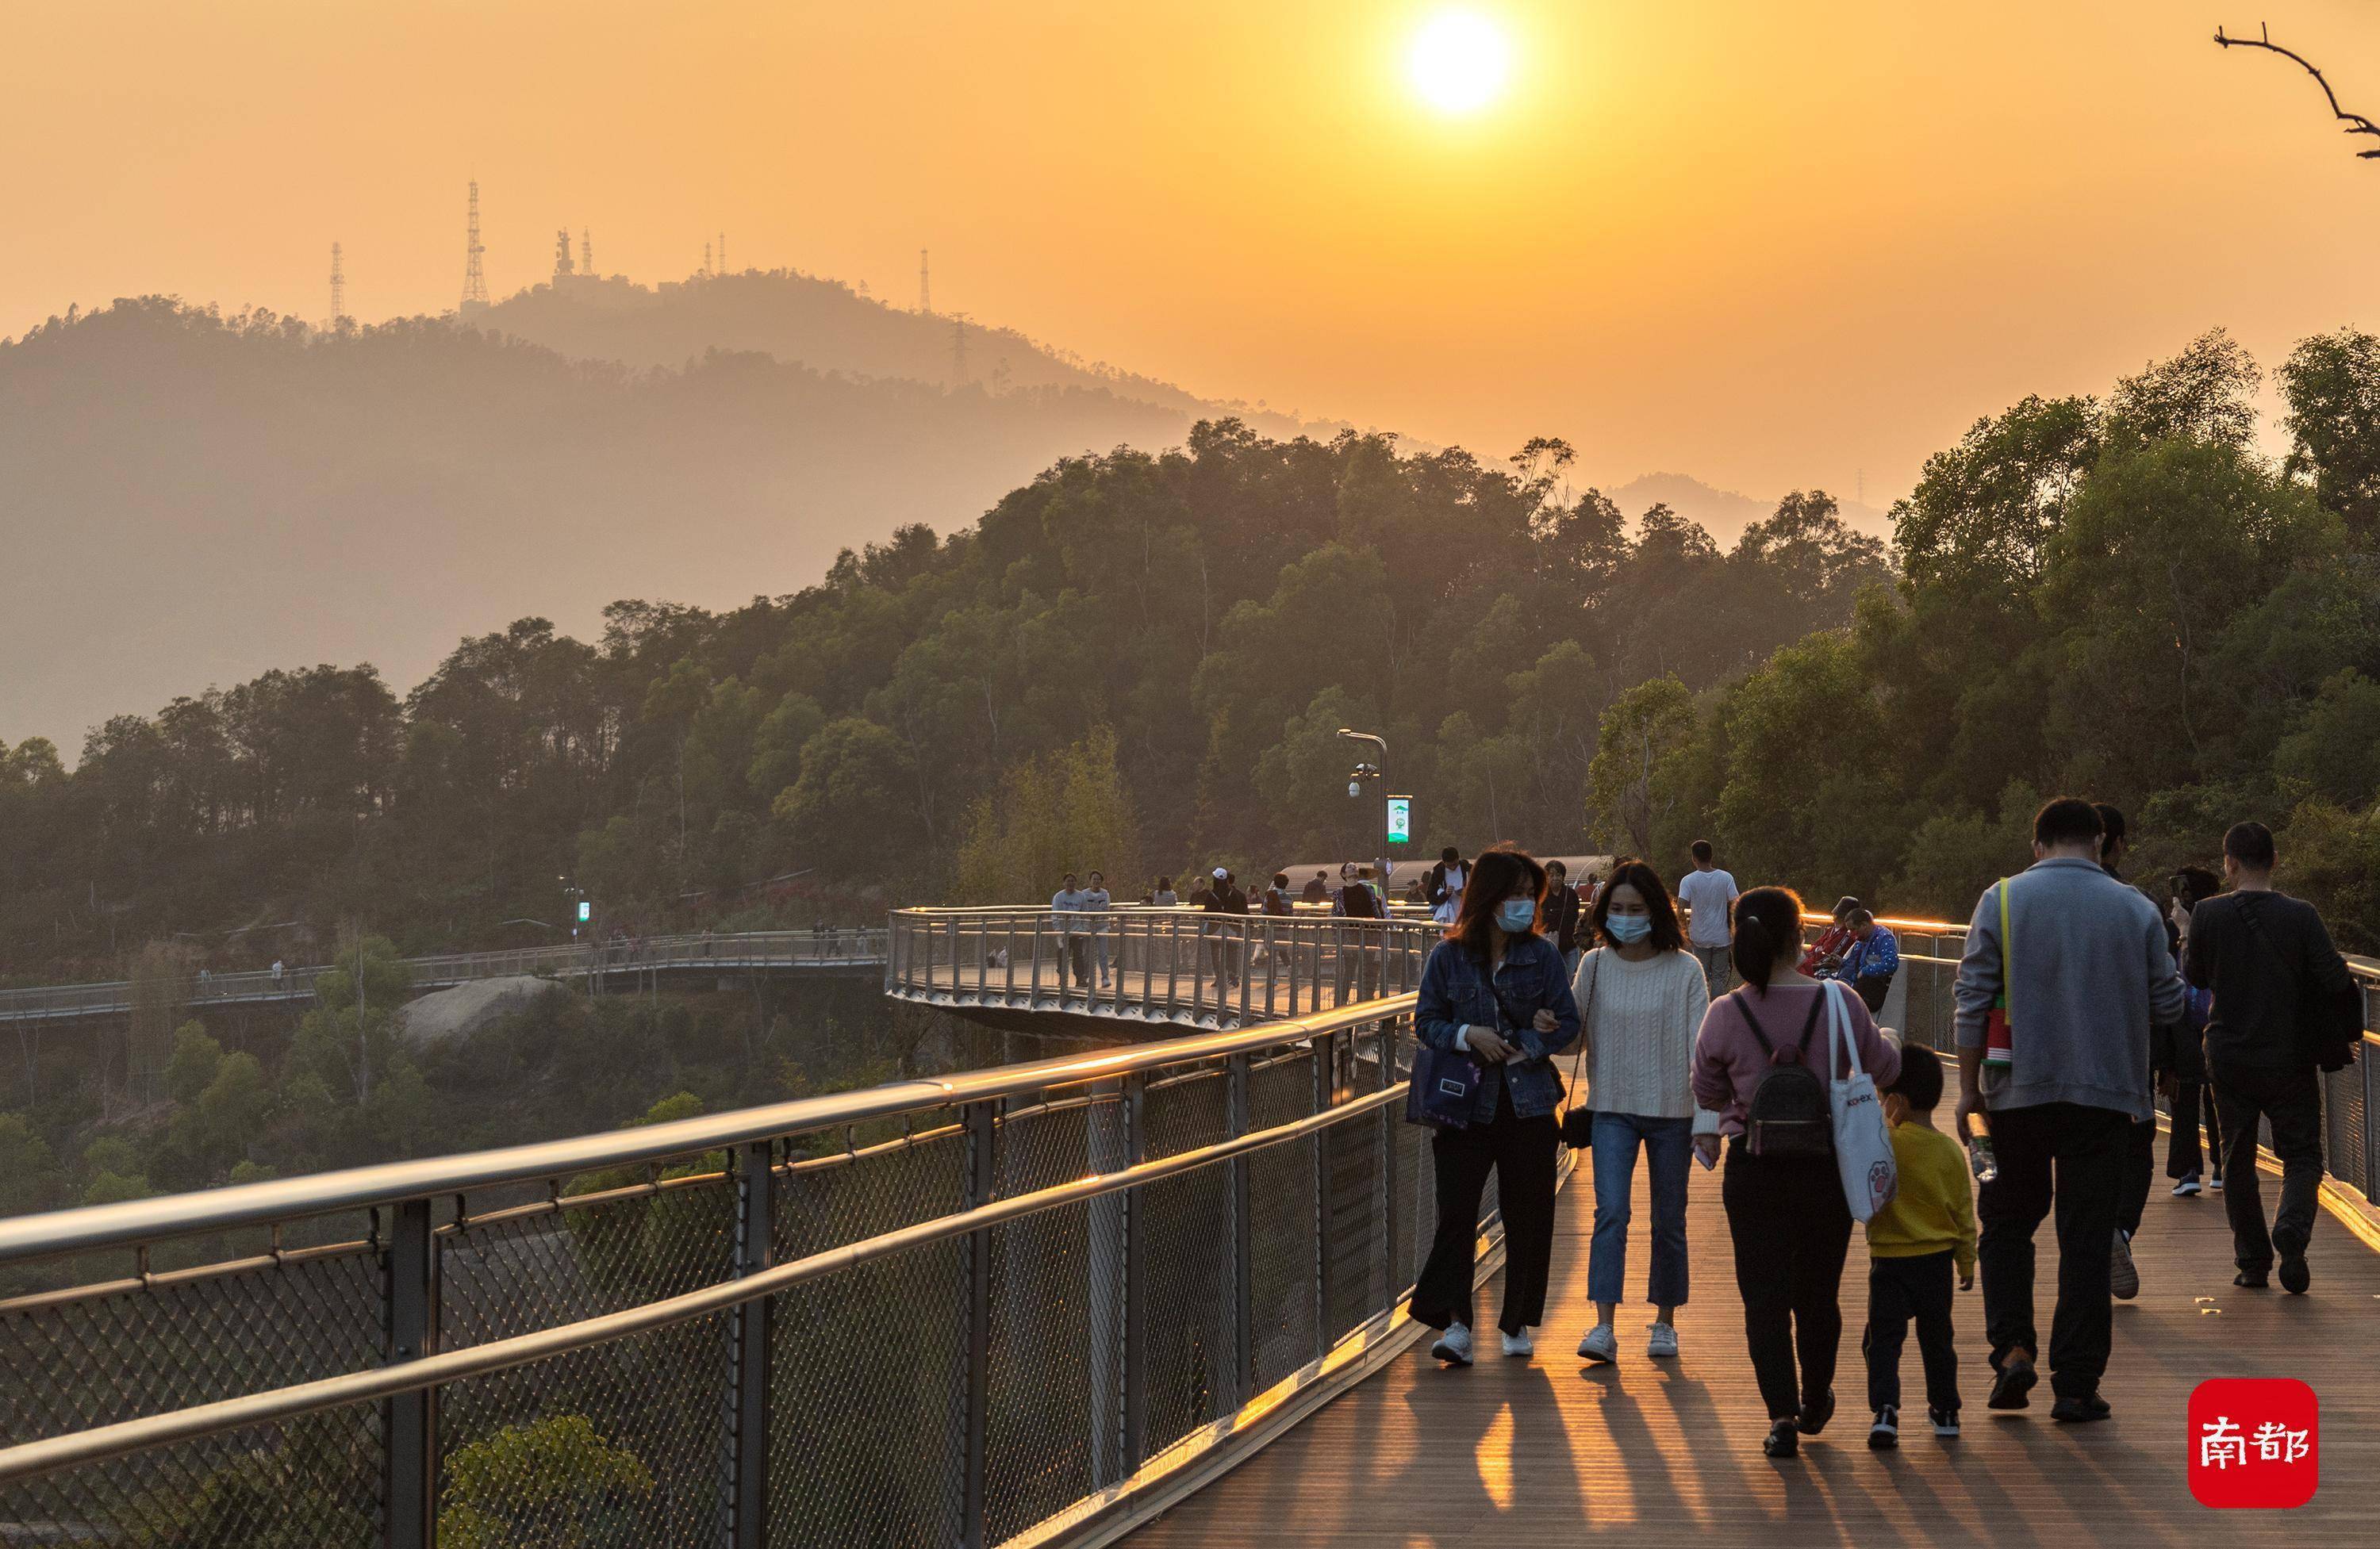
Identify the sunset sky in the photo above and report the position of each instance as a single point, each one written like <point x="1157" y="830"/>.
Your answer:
<point x="1769" y="244"/>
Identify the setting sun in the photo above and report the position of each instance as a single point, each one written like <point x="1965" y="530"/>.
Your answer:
<point x="1460" y="61"/>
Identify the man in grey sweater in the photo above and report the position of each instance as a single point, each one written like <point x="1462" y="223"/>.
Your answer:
<point x="2087" y="974"/>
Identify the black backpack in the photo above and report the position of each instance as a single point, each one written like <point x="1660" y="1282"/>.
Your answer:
<point x="1789" y="1114"/>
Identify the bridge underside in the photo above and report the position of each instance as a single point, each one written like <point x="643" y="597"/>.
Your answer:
<point x="1551" y="1451"/>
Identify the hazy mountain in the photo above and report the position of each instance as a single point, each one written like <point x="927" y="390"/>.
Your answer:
<point x="827" y="325"/>
<point x="1723" y="512"/>
<point x="188" y="498"/>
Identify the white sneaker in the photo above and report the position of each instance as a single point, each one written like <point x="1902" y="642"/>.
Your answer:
<point x="2123" y="1275"/>
<point x="2187" y="1187"/>
<point x="1519" y="1344"/>
<point x="1453" y="1346"/>
<point x="1600" y="1344"/>
<point x="2218" y="1182"/>
<point x="1661" y="1342"/>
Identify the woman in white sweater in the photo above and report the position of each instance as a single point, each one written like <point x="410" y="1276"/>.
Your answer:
<point x="1641" y="998"/>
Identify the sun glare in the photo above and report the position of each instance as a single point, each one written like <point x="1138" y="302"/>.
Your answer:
<point x="1460" y="61"/>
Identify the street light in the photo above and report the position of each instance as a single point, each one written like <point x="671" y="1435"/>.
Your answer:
<point x="1378" y="772"/>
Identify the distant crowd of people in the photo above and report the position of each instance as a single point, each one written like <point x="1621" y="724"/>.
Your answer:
<point x="2079" y="997"/>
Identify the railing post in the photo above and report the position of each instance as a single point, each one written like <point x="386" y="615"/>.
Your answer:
<point x="1033" y="991"/>
<point x="1326" y="1091"/>
<point x="1390" y="1117"/>
<point x="976" y="1313"/>
<point x="2371" y="1136"/>
<point x="953" y="935"/>
<point x="410" y="1421"/>
<point x="1273" y="967"/>
<point x="749" y="1329"/>
<point x="1136" y="1274"/>
<point x="1238" y="960"/>
<point x="1244" y="1288"/>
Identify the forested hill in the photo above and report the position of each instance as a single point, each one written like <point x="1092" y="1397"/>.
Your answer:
<point x="189" y="499"/>
<point x="826" y="325"/>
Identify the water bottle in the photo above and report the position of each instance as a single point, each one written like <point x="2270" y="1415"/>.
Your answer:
<point x="1979" y="1156"/>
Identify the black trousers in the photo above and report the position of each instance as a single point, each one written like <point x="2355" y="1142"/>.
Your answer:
<point x="1521" y="1152"/>
<point x="2192" y="1101"/>
<point x="1872" y="991"/>
<point x="2073" y="1156"/>
<point x="1791" y="1229"/>
<point x="2291" y="1102"/>
<point x="2139" y="1170"/>
<point x="1078" y="959"/>
<point x="1900" y="1290"/>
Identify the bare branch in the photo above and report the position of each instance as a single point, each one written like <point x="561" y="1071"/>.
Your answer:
<point x="2356" y="123"/>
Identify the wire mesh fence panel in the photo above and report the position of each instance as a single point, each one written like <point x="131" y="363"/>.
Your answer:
<point x="2342" y="1096"/>
<point x="1042" y="1144"/>
<point x="1184" y="1110"/>
<point x="311" y="1482"/>
<point x="1283" y="1216"/>
<point x="635" y="1427"/>
<point x="617" y="1445"/>
<point x="868" y="1380"/>
<point x="1053" y="1425"/>
<point x="1190" y="1339"/>
<point x="825" y="1201"/>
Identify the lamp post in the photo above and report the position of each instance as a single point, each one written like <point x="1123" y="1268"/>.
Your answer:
<point x="1379" y="771"/>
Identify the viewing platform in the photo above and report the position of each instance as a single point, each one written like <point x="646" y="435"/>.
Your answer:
<point x="1157" y="1289"/>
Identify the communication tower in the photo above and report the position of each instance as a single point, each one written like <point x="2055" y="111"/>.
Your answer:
<point x="958" y="350"/>
<point x="723" y="252"/>
<point x="925" y="286"/>
<point x="706" y="259"/>
<point x="338" y="285"/>
<point x="585" y="254"/>
<point x="475" y="285"/>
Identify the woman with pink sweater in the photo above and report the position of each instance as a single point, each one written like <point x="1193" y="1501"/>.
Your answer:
<point x="1785" y="1212"/>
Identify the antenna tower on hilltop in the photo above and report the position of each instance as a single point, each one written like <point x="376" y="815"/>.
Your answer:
<point x="585" y="254"/>
<point x="475" y="285"/>
<point x="338" y="285"/>
<point x="706" y="259"/>
<point x="723" y="252"/>
<point x="958" y="350"/>
<point x="562" y="266"/>
<point x="925" y="286"/>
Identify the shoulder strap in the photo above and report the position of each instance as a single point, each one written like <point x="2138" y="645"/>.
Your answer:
<point x="1810" y="1023"/>
<point x="2256" y="924"/>
<point x="1744" y="1008"/>
<point x="1586" y="1025"/>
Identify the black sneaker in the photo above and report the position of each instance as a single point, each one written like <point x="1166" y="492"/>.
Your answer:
<point x="1813" y="1416"/>
<point x="2123" y="1275"/>
<point x="2080" y="1412"/>
<point x="1946" y="1421"/>
<point x="1781" y="1441"/>
<point x="2292" y="1245"/>
<point x="1884" y="1434"/>
<point x="2008" y="1389"/>
<point x="2252" y="1280"/>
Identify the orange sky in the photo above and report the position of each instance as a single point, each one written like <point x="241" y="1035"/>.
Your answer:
<point x="1765" y="244"/>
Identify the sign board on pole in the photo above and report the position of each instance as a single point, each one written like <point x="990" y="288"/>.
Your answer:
<point x="586" y="910"/>
<point x="1400" y="819"/>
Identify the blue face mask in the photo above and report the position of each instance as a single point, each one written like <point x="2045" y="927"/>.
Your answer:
<point x="1516" y="914"/>
<point x="1628" y="929"/>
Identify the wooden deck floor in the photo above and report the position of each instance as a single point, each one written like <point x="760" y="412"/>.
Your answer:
<point x="1550" y="1451"/>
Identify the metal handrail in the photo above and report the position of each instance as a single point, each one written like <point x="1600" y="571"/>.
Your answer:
<point x="103" y="1442"/>
<point x="105" y="1226"/>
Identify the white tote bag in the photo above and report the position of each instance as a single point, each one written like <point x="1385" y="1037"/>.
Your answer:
<point x="1862" y="1140"/>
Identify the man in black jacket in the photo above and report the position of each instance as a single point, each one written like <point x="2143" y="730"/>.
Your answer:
<point x="1561" y="911"/>
<point x="2273" y="971"/>
<point x="2173" y="1059"/>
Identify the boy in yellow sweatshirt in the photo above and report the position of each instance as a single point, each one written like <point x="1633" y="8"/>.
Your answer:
<point x="1912" y="1244"/>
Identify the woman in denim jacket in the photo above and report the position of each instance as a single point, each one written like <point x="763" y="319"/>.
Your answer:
<point x="1495" y="989"/>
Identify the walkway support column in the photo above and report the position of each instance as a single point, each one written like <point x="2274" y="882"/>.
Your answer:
<point x="410" y="1421"/>
<point x="749" y="1329"/>
<point x="1243" y="1289"/>
<point x="975" y="1324"/>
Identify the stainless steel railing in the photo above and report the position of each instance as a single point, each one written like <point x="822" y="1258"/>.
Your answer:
<point x="1004" y="1305"/>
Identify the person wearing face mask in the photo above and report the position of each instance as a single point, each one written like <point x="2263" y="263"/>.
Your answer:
<point x="1641" y="998"/>
<point x="1494" y="990"/>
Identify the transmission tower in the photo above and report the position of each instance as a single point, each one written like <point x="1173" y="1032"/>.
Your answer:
<point x="585" y="254"/>
<point x="925" y="286"/>
<point x="706" y="258"/>
<point x="338" y="285"/>
<point x="958" y="350"/>
<point x="561" y="266"/>
<point x="723" y="252"/>
<point x="475" y="285"/>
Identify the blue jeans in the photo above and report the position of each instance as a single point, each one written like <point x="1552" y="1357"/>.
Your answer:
<point x="1669" y="1152"/>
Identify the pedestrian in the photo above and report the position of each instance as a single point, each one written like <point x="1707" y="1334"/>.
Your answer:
<point x="1318" y="889"/>
<point x="1641" y="996"/>
<point x="1708" y="893"/>
<point x="1220" y="901"/>
<point x="2085" y="973"/>
<point x="2193" y="1101"/>
<point x="1277" y="899"/>
<point x="1098" y="903"/>
<point x="1871" y="960"/>
<point x="1564" y="912"/>
<point x="1914" y="1246"/>
<point x="2282" y="993"/>
<point x="1360" y="953"/>
<point x="1162" y="895"/>
<point x="276" y="972"/>
<point x="1442" y="889"/>
<point x="1826" y="954"/>
<point x="1494" y="990"/>
<point x="1066" y="906"/>
<point x="2174" y="1057"/>
<point x="1786" y="1212"/>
